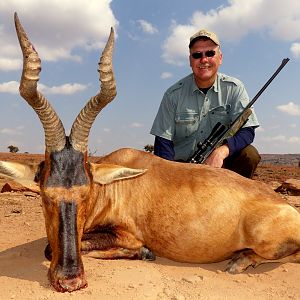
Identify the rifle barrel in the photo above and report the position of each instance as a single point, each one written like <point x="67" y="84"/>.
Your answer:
<point x="284" y="62"/>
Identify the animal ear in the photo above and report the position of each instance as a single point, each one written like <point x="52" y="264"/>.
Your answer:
<point x="23" y="173"/>
<point x="107" y="173"/>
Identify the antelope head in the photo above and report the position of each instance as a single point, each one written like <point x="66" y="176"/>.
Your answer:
<point x="65" y="177"/>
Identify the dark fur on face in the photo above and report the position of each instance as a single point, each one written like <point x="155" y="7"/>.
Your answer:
<point x="67" y="168"/>
<point x="68" y="239"/>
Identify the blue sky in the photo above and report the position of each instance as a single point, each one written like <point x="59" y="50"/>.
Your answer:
<point x="151" y="53"/>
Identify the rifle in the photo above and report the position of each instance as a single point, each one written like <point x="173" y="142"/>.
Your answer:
<point x="219" y="132"/>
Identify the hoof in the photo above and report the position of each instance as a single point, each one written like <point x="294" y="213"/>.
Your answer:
<point x="146" y="254"/>
<point x="233" y="268"/>
<point x="241" y="261"/>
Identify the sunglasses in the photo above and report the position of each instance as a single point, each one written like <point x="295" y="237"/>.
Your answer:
<point x="208" y="53"/>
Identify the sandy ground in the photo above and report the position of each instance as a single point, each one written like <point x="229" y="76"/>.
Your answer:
<point x="23" y="268"/>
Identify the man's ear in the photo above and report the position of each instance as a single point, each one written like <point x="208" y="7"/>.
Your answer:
<point x="23" y="173"/>
<point x="107" y="173"/>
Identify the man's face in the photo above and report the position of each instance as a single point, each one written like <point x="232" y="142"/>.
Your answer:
<point x="205" y="68"/>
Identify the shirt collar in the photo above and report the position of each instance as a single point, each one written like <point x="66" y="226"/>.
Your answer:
<point x="215" y="86"/>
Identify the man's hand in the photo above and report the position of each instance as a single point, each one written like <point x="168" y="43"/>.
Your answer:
<point x="217" y="157"/>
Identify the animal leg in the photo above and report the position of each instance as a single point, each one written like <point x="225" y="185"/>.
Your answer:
<point x="142" y="253"/>
<point x="244" y="259"/>
<point x="114" y="245"/>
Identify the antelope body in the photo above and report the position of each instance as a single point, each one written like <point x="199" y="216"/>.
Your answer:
<point x="132" y="204"/>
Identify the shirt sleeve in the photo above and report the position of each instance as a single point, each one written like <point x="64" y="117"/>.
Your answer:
<point x="164" y="122"/>
<point x="164" y="148"/>
<point x="240" y="100"/>
<point x="240" y="140"/>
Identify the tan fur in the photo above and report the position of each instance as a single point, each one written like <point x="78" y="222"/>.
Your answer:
<point x="107" y="173"/>
<point x="184" y="212"/>
<point x="21" y="172"/>
<point x="193" y="213"/>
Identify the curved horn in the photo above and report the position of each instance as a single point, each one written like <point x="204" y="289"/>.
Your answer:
<point x="83" y="123"/>
<point x="55" y="138"/>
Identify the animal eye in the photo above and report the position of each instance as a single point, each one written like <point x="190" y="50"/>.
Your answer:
<point x="39" y="171"/>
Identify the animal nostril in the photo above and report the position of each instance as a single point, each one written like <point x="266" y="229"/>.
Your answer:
<point x="72" y="284"/>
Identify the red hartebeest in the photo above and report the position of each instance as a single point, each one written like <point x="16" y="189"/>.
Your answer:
<point x="132" y="204"/>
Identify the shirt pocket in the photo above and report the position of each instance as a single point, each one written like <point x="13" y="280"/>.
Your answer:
<point x="186" y="124"/>
<point x="220" y="114"/>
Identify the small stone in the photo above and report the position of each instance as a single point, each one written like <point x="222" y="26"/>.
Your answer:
<point x="167" y="292"/>
<point x="178" y="297"/>
<point x="191" y="279"/>
<point x="148" y="294"/>
<point x="131" y="286"/>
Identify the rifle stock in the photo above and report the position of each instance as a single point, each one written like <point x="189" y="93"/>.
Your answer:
<point x="220" y="133"/>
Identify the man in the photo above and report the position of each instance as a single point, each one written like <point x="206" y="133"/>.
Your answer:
<point x="191" y="107"/>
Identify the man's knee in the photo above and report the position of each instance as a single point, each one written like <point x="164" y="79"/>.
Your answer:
<point x="244" y="162"/>
<point x="250" y="155"/>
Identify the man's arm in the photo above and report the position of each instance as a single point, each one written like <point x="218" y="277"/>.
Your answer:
<point x="240" y="140"/>
<point x="234" y="144"/>
<point x="164" y="148"/>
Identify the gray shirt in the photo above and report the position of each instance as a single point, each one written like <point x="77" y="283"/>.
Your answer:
<point x="186" y="115"/>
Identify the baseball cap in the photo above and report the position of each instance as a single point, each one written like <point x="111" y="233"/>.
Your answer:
<point x="204" y="33"/>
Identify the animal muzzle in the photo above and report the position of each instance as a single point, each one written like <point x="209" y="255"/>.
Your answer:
<point x="66" y="272"/>
<point x="66" y="283"/>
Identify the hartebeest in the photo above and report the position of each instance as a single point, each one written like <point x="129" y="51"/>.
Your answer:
<point x="132" y="204"/>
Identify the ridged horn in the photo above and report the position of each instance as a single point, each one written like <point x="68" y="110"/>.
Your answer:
<point x="55" y="137"/>
<point x="81" y="127"/>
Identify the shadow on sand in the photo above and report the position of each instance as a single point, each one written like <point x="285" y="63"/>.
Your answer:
<point x="26" y="262"/>
<point x="219" y="266"/>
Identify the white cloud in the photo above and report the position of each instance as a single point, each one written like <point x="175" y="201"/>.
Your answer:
<point x="136" y="125"/>
<point x="235" y="21"/>
<point x="276" y="138"/>
<point x="281" y="138"/>
<point x="65" y="89"/>
<point x="294" y="139"/>
<point x="11" y="131"/>
<point x="295" y="49"/>
<point x="11" y="87"/>
<point x="55" y="33"/>
<point x="7" y="64"/>
<point x="147" y="27"/>
<point x="291" y="108"/>
<point x="166" y="75"/>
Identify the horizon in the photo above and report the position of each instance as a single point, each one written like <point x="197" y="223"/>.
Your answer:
<point x="96" y="155"/>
